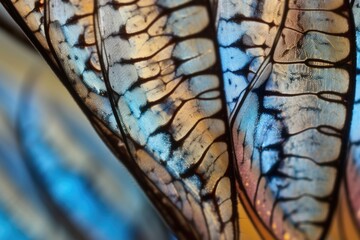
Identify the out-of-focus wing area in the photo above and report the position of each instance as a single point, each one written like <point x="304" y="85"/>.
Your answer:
<point x="9" y="27"/>
<point x="57" y="178"/>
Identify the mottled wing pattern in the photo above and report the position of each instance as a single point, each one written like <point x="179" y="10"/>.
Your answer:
<point x="246" y="33"/>
<point x="290" y="128"/>
<point x="32" y="11"/>
<point x="160" y="65"/>
<point x="353" y="165"/>
<point x="72" y="37"/>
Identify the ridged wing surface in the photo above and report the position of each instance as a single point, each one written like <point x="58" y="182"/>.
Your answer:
<point x="160" y="65"/>
<point x="245" y="30"/>
<point x="72" y="37"/>
<point x="290" y="128"/>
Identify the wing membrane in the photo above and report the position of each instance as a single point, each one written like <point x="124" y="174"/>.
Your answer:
<point x="246" y="33"/>
<point x="289" y="130"/>
<point x="161" y="73"/>
<point x="72" y="37"/>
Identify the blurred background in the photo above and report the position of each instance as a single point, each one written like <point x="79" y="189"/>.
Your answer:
<point x="57" y="178"/>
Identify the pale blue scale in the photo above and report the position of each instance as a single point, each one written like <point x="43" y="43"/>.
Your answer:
<point x="136" y="99"/>
<point x="355" y="124"/>
<point x="237" y="82"/>
<point x="235" y="67"/>
<point x="225" y="27"/>
<point x="270" y="158"/>
<point x="233" y="59"/>
<point x="266" y="135"/>
<point x="161" y="145"/>
<point x="90" y="78"/>
<point x="298" y="210"/>
<point x="236" y="60"/>
<point x="354" y="133"/>
<point x="171" y="3"/>
<point x="69" y="33"/>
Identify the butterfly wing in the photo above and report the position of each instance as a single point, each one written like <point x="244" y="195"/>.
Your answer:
<point x="246" y="33"/>
<point x="162" y="77"/>
<point x="289" y="129"/>
<point x="70" y="28"/>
